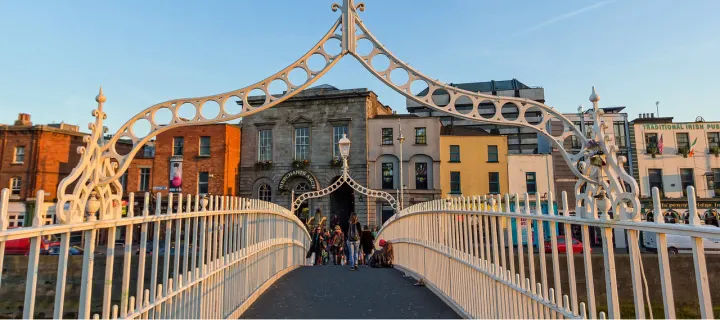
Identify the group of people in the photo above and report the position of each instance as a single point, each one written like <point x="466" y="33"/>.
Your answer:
<point x="354" y="247"/>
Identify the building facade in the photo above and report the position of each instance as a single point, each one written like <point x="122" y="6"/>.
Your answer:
<point x="201" y="159"/>
<point x="565" y="179"/>
<point x="420" y="159"/>
<point x="674" y="155"/>
<point x="473" y="162"/>
<point x="292" y="148"/>
<point x="532" y="174"/>
<point x="519" y="139"/>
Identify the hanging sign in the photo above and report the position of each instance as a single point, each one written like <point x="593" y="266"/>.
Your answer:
<point x="175" y="174"/>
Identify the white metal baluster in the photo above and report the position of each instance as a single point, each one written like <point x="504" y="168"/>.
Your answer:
<point x="664" y="264"/>
<point x="61" y="275"/>
<point x="155" y="250"/>
<point x="554" y="248"/>
<point x="4" y="203"/>
<point x="541" y="247"/>
<point x="125" y="286"/>
<point x="610" y="276"/>
<point x="698" y="249"/>
<point x="587" y="260"/>
<point x="635" y="267"/>
<point x="87" y="274"/>
<point x="569" y="254"/>
<point x="142" y="253"/>
<point x="33" y="257"/>
<point x="178" y="248"/>
<point x="109" y="264"/>
<point x="166" y="254"/>
<point x="530" y="248"/>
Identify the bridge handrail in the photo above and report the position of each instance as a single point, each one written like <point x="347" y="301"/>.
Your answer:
<point x="473" y="251"/>
<point x="236" y="248"/>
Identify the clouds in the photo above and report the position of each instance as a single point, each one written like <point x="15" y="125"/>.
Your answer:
<point x="565" y="16"/>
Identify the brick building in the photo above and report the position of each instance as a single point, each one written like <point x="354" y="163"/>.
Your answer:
<point x="200" y="159"/>
<point x="291" y="148"/>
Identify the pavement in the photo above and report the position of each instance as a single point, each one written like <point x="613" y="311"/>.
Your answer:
<point x="335" y="292"/>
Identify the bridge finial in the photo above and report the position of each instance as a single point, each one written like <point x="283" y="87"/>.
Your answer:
<point x="349" y="10"/>
<point x="594" y="98"/>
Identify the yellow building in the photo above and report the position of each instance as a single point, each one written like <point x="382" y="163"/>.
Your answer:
<point x="472" y="162"/>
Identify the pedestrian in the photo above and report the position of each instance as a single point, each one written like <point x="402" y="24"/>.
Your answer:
<point x="336" y="246"/>
<point x="367" y="243"/>
<point x="315" y="252"/>
<point x="374" y="232"/>
<point x="383" y="258"/>
<point x="353" y="241"/>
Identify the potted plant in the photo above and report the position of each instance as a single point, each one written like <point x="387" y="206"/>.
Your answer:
<point x="300" y="164"/>
<point x="263" y="165"/>
<point x="335" y="162"/>
<point x="715" y="150"/>
<point x="653" y="151"/>
<point x="684" y="151"/>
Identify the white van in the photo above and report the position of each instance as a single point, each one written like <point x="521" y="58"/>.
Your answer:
<point x="682" y="244"/>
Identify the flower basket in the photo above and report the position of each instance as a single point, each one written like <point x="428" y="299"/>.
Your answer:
<point x="684" y="151"/>
<point x="715" y="151"/>
<point x="300" y="164"/>
<point x="653" y="151"/>
<point x="335" y="163"/>
<point x="263" y="165"/>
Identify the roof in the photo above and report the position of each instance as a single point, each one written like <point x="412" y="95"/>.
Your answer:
<point x="488" y="86"/>
<point x="396" y="116"/>
<point x="463" y="131"/>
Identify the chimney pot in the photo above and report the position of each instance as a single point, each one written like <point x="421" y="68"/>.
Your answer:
<point x="23" y="120"/>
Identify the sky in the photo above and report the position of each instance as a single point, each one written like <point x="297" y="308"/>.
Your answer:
<point x="54" y="55"/>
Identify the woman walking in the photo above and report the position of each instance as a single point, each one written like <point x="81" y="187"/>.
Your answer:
<point x="367" y="244"/>
<point x="336" y="246"/>
<point x="353" y="241"/>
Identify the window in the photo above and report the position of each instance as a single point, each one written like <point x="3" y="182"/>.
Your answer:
<point x="265" y="145"/>
<point x="455" y="182"/>
<point x="492" y="154"/>
<point x="686" y="179"/>
<point x="265" y="193"/>
<point x="203" y="179"/>
<point x="178" y="143"/>
<point x="713" y="140"/>
<point x="454" y="153"/>
<point x="530" y="182"/>
<point x="716" y="182"/>
<point x="655" y="180"/>
<point x="421" y="181"/>
<point x="387" y="175"/>
<point x="148" y="151"/>
<point x="144" y="179"/>
<point x="420" y="135"/>
<point x="15" y="185"/>
<point x="302" y="143"/>
<point x="387" y="136"/>
<point x="123" y="180"/>
<point x="494" y="178"/>
<point x="683" y="141"/>
<point x="204" y="146"/>
<point x="620" y="134"/>
<point x="338" y="132"/>
<point x="651" y="140"/>
<point x="19" y="156"/>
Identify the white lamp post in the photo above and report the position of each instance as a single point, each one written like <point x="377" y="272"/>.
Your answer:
<point x="344" y="145"/>
<point x="401" y="139"/>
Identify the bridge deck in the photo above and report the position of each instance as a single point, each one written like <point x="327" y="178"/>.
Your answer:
<point x="337" y="292"/>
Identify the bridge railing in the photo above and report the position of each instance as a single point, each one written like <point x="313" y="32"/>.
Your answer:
<point x="179" y="257"/>
<point x="493" y="258"/>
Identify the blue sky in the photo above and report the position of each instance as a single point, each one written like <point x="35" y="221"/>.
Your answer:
<point x="55" y="54"/>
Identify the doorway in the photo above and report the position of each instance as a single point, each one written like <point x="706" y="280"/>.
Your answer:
<point x="342" y="203"/>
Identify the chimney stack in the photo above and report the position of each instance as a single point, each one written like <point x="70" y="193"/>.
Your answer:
<point x="23" y="120"/>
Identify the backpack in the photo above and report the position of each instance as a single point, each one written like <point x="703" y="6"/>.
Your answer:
<point x="337" y="240"/>
<point x="353" y="233"/>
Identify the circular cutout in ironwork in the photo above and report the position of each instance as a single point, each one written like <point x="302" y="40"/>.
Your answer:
<point x="399" y="77"/>
<point x="464" y="105"/>
<point x="186" y="112"/>
<point x="419" y="88"/>
<point x="162" y="116"/>
<point x="316" y="62"/>
<point x="555" y="127"/>
<point x="363" y="47"/>
<point x="486" y="109"/>
<point x="332" y="47"/>
<point x="233" y="105"/>
<point x="298" y="76"/>
<point x="533" y="115"/>
<point x="141" y="128"/>
<point x="256" y="98"/>
<point x="380" y="62"/>
<point x="441" y="97"/>
<point x="210" y="109"/>
<point x="278" y="88"/>
<point x="510" y="111"/>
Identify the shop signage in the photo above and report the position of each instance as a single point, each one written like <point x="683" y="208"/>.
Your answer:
<point x="682" y="204"/>
<point x="297" y="173"/>
<point x="681" y="126"/>
<point x="175" y="174"/>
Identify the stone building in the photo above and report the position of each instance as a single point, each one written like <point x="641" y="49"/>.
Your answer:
<point x="291" y="147"/>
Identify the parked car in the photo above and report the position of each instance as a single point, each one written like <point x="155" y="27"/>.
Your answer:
<point x="681" y="244"/>
<point x="577" y="246"/>
<point x="22" y="246"/>
<point x="55" y="251"/>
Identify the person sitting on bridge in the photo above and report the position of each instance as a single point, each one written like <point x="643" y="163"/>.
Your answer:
<point x="384" y="257"/>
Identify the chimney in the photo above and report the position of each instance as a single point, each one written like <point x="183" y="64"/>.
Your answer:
<point x="652" y="115"/>
<point x="23" y="120"/>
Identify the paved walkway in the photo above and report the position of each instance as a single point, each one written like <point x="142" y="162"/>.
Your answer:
<point x="336" y="292"/>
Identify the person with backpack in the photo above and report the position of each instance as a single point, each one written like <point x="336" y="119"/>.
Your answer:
<point x="353" y="241"/>
<point x="367" y="244"/>
<point x="336" y="246"/>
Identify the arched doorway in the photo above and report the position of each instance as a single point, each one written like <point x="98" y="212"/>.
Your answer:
<point x="342" y="203"/>
<point x="299" y="186"/>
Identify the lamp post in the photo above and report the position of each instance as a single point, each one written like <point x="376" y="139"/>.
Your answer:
<point x="344" y="146"/>
<point x="400" y="139"/>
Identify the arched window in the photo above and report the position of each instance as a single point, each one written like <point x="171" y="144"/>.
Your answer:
<point x="302" y="187"/>
<point x="265" y="193"/>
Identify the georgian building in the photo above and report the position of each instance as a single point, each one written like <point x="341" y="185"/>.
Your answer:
<point x="420" y="159"/>
<point x="293" y="148"/>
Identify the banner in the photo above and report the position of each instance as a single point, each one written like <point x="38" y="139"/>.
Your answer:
<point x="175" y="175"/>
